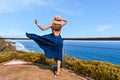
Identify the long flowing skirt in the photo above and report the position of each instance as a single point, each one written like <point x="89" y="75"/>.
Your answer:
<point x="51" y="45"/>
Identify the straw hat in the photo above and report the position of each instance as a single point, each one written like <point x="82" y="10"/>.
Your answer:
<point x="57" y="20"/>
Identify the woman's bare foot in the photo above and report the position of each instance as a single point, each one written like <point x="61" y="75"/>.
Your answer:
<point x="57" y="73"/>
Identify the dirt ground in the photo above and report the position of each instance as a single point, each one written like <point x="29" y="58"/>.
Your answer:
<point x="34" y="72"/>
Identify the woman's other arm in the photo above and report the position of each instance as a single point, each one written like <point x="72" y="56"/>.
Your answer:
<point x="64" y="21"/>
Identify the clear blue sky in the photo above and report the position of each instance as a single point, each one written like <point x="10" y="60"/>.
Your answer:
<point x="86" y="18"/>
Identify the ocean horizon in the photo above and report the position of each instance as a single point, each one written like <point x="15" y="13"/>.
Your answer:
<point x="106" y="51"/>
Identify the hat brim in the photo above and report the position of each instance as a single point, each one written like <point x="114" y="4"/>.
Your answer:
<point x="57" y="22"/>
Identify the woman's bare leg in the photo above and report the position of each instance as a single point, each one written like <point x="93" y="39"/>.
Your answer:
<point x="58" y="67"/>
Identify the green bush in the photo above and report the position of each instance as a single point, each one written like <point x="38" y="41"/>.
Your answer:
<point x="6" y="56"/>
<point x="94" y="69"/>
<point x="27" y="56"/>
<point x="35" y="57"/>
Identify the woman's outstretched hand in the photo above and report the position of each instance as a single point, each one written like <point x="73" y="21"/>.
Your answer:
<point x="36" y="22"/>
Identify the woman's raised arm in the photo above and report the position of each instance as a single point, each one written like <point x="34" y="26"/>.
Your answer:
<point x="42" y="28"/>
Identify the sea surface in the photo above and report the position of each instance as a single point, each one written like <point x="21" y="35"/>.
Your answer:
<point x="106" y="51"/>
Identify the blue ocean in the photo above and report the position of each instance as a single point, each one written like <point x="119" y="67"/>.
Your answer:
<point x="106" y="51"/>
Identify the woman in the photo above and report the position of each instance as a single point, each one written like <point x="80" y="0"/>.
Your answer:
<point x="52" y="43"/>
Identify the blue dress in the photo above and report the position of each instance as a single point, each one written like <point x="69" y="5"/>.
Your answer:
<point x="51" y="45"/>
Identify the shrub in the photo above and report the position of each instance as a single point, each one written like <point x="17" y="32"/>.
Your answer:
<point x="6" y="57"/>
<point x="35" y="57"/>
<point x="94" y="69"/>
